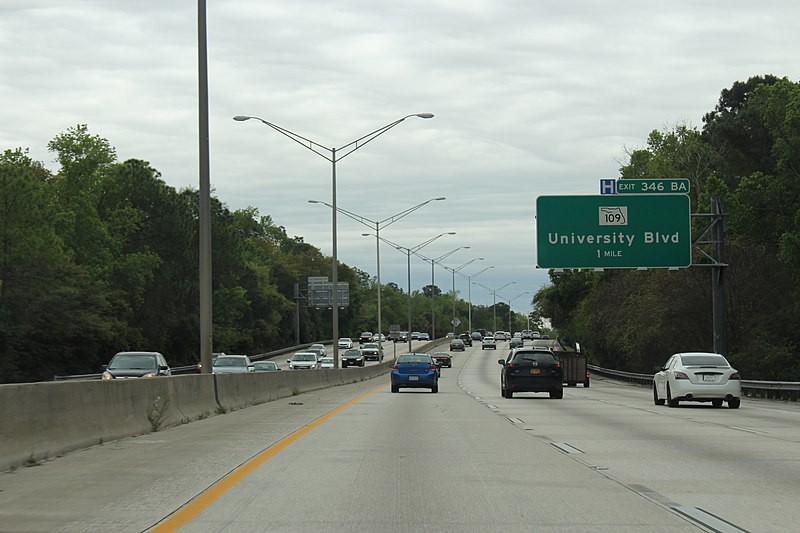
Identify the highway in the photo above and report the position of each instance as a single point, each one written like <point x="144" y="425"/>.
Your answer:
<point x="358" y="458"/>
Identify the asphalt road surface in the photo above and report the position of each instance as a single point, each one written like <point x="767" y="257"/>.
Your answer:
<point x="358" y="458"/>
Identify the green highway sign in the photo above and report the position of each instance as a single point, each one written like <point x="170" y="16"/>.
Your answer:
<point x="677" y="186"/>
<point x="611" y="231"/>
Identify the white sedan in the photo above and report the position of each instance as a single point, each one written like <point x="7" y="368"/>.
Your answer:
<point x="345" y="343"/>
<point x="697" y="377"/>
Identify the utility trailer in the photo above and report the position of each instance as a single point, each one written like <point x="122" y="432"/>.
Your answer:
<point x="574" y="367"/>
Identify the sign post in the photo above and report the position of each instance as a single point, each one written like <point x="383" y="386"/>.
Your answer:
<point x="613" y="231"/>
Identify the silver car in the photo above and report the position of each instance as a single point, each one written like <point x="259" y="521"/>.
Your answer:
<point x="697" y="377"/>
<point x="232" y="364"/>
<point x="304" y="361"/>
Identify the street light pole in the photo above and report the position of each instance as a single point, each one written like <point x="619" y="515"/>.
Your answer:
<point x="453" y="271"/>
<point x="494" y="298"/>
<point x="469" y="291"/>
<point x="204" y="213"/>
<point x="433" y="284"/>
<point x="409" y="251"/>
<point x="510" y="300"/>
<point x="379" y="224"/>
<point x="330" y="154"/>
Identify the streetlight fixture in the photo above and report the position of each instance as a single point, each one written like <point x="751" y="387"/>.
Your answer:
<point x="494" y="296"/>
<point x="378" y="225"/>
<point x="409" y="251"/>
<point x="333" y="155"/>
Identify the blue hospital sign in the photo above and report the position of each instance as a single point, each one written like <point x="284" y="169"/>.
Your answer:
<point x="608" y="186"/>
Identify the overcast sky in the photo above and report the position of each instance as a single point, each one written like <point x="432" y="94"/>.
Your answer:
<point x="530" y="97"/>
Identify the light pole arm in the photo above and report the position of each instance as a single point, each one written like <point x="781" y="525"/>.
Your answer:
<point x="331" y="154"/>
<point x="419" y="247"/>
<point x="296" y="137"/>
<point x="458" y="269"/>
<point x="394" y="218"/>
<point x="484" y="286"/>
<point x="352" y="146"/>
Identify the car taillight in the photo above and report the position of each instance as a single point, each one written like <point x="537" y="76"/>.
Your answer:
<point x="735" y="375"/>
<point x="433" y="367"/>
<point x="680" y="375"/>
<point x="394" y="367"/>
<point x="558" y="365"/>
<point x="510" y="365"/>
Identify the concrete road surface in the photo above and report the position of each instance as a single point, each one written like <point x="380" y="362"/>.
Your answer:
<point x="358" y="458"/>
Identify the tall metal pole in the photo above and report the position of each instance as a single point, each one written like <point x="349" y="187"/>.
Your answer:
<point x="408" y="333"/>
<point x="469" y="309"/>
<point x="433" y="305"/>
<point x="718" y="280"/>
<point x="469" y="281"/>
<point x="378" y="266"/>
<point x="323" y="151"/>
<point x="378" y="224"/>
<point x="204" y="215"/>
<point x="454" y="299"/>
<point x="335" y="266"/>
<point x="494" y="309"/>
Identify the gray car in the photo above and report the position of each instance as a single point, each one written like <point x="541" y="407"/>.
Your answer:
<point x="232" y="364"/>
<point x="304" y="361"/>
<point x="136" y="365"/>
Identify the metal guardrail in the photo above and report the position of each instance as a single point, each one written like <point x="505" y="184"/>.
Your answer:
<point x="778" y="390"/>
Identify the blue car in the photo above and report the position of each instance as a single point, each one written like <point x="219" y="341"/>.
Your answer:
<point x="415" y="370"/>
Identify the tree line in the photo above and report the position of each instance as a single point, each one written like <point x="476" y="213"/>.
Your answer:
<point x="102" y="256"/>
<point x="747" y="153"/>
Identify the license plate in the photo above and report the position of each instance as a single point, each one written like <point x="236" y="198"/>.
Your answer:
<point x="413" y="378"/>
<point x="706" y="377"/>
<point x="535" y="371"/>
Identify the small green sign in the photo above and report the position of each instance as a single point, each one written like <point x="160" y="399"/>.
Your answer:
<point x="608" y="231"/>
<point x="678" y="186"/>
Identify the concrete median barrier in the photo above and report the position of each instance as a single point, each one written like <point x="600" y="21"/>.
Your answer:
<point x="39" y="421"/>
<point x="44" y="420"/>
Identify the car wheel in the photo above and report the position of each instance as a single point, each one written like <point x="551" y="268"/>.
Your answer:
<point x="716" y="403"/>
<point x="656" y="399"/>
<point x="734" y="403"/>
<point x="435" y="389"/>
<point x="586" y="384"/>
<point x="670" y="401"/>
<point x="557" y="394"/>
<point x="363" y="363"/>
<point x="395" y="388"/>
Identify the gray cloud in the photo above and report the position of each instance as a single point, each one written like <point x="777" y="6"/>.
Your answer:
<point x="530" y="98"/>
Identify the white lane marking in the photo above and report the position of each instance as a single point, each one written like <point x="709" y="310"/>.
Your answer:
<point x="708" y="520"/>
<point x="566" y="448"/>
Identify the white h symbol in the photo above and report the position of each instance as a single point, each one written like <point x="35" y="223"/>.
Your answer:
<point x="608" y="186"/>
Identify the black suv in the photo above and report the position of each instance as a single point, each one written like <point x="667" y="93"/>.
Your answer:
<point x="529" y="370"/>
<point x="136" y="365"/>
<point x="467" y="338"/>
<point x="352" y="357"/>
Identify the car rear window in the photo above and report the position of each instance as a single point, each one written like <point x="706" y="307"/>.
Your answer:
<point x="703" y="360"/>
<point x="533" y="357"/>
<point x="413" y="358"/>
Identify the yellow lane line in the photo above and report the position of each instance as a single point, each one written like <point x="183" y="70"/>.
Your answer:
<point x="187" y="513"/>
